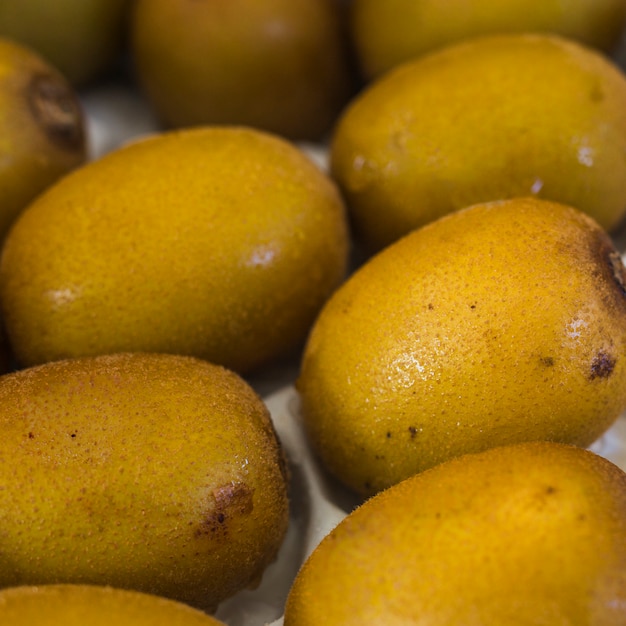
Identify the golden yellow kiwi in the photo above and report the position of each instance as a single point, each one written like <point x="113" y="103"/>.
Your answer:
<point x="279" y="65"/>
<point x="501" y="323"/>
<point x="158" y="473"/>
<point x="524" y="535"/>
<point x="386" y="33"/>
<point x="487" y="119"/>
<point x="79" y="605"/>
<point x="221" y="243"/>
<point x="42" y="134"/>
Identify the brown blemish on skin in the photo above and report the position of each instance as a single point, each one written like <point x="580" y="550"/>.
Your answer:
<point x="231" y="501"/>
<point x="596" y="93"/>
<point x="548" y="361"/>
<point x="56" y="109"/>
<point x="413" y="431"/>
<point x="602" y="366"/>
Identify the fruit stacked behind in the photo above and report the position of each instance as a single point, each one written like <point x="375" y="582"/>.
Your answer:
<point x="485" y="172"/>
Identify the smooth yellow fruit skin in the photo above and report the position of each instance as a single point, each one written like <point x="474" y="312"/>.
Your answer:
<point x="42" y="129"/>
<point x="157" y="473"/>
<point x="81" y="38"/>
<point x="82" y="605"/>
<point x="501" y="323"/>
<point x="386" y="33"/>
<point x="492" y="118"/>
<point x="221" y="243"/>
<point x="526" y="535"/>
<point x="279" y="65"/>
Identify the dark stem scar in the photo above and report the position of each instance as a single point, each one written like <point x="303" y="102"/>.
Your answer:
<point x="57" y="111"/>
<point x="618" y="270"/>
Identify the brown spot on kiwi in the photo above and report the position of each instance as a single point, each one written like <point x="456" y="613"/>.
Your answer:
<point x="602" y="366"/>
<point x="596" y="93"/>
<point x="548" y="361"/>
<point x="230" y="501"/>
<point x="56" y="109"/>
<point x="413" y="431"/>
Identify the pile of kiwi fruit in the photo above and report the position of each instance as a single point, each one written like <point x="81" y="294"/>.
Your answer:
<point x="414" y="208"/>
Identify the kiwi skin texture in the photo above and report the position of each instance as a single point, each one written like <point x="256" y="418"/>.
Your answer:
<point x="524" y="535"/>
<point x="500" y="323"/>
<point x="557" y="130"/>
<point x="77" y="605"/>
<point x="227" y="254"/>
<point x="158" y="473"/>
<point x="278" y="65"/>
<point x="42" y="127"/>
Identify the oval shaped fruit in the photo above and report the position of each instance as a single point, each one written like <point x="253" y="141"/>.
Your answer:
<point x="78" y="605"/>
<point x="221" y="243"/>
<point x="386" y="33"/>
<point x="531" y="535"/>
<point x="82" y="38"/>
<point x="501" y="323"/>
<point x="158" y="473"/>
<point x="41" y="125"/>
<point x="492" y="118"/>
<point x="279" y="65"/>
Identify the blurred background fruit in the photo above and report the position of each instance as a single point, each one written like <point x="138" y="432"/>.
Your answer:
<point x="386" y="33"/>
<point x="82" y="38"/>
<point x="279" y="65"/>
